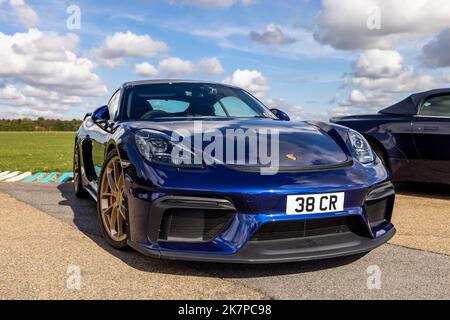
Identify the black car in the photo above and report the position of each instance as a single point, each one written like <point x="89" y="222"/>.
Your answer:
<point x="412" y="137"/>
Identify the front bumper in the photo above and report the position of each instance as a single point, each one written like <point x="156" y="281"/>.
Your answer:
<point x="174" y="226"/>
<point x="282" y="251"/>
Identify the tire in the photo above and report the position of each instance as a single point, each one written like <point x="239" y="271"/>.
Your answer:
<point x="380" y="154"/>
<point x="79" y="190"/>
<point x="112" y="205"/>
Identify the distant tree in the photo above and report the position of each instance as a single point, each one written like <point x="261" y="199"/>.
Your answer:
<point x="40" y="124"/>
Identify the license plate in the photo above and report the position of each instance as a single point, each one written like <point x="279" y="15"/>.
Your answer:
<point x="315" y="203"/>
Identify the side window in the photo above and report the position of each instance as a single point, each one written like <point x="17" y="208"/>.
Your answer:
<point x="438" y="106"/>
<point x="113" y="105"/>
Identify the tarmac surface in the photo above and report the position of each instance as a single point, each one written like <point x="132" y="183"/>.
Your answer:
<point x="49" y="237"/>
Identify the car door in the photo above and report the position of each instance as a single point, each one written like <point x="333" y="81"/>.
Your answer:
<point x="100" y="136"/>
<point x="431" y="131"/>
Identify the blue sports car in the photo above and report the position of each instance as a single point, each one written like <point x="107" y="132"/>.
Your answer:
<point x="205" y="172"/>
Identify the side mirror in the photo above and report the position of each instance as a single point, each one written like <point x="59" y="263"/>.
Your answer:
<point x="101" y="115"/>
<point x="280" y="115"/>
<point x="89" y="114"/>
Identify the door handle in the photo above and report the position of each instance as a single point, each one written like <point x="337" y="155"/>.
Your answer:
<point x="430" y="128"/>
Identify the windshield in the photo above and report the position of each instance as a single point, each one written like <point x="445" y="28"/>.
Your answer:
<point x="187" y="100"/>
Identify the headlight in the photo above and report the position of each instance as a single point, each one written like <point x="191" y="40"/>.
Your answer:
<point x="158" y="149"/>
<point x="361" y="148"/>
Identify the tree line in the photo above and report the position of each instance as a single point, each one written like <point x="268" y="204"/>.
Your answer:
<point x="39" y="124"/>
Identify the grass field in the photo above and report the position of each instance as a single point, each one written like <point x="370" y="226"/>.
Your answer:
<point x="36" y="151"/>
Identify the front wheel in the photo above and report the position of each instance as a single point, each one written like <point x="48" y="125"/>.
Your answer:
<point x="377" y="150"/>
<point x="112" y="202"/>
<point x="79" y="190"/>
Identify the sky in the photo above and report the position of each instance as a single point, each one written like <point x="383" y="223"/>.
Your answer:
<point x="314" y="59"/>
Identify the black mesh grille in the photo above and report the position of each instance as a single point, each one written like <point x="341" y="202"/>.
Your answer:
<point x="303" y="228"/>
<point x="194" y="225"/>
<point x="379" y="211"/>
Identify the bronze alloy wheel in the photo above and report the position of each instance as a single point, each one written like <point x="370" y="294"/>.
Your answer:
<point x="112" y="201"/>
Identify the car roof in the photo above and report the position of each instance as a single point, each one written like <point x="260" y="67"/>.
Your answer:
<point x="410" y="105"/>
<point x="171" y="81"/>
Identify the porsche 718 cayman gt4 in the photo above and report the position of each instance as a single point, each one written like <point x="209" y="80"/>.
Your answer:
<point x="202" y="171"/>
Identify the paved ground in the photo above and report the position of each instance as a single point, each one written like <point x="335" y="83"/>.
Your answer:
<point x="422" y="215"/>
<point x="59" y="231"/>
<point x="37" y="251"/>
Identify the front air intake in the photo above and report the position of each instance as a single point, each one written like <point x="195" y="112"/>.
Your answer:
<point x="379" y="212"/>
<point x="194" y="225"/>
<point x="307" y="228"/>
<point x="380" y="204"/>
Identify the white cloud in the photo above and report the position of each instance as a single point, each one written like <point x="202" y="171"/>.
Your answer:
<point x="295" y="111"/>
<point x="42" y="70"/>
<point x="220" y="33"/>
<point x="146" y="70"/>
<point x="10" y="95"/>
<point x="212" y="3"/>
<point x="176" y="67"/>
<point x="30" y="101"/>
<point x="272" y="36"/>
<point x="298" y="41"/>
<point x="380" y="79"/>
<point x="27" y="112"/>
<point x="406" y="81"/>
<point x="251" y="80"/>
<point x="436" y="53"/>
<point x="343" y="23"/>
<point x="23" y="12"/>
<point x="378" y="63"/>
<point x="50" y="96"/>
<point x="47" y="59"/>
<point x="122" y="45"/>
<point x="342" y="111"/>
<point x="210" y="66"/>
<point x="294" y="43"/>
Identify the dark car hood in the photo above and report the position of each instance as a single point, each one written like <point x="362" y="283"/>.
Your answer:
<point x="311" y="146"/>
<point x="357" y="117"/>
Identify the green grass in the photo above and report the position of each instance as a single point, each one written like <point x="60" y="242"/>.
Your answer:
<point x="36" y="151"/>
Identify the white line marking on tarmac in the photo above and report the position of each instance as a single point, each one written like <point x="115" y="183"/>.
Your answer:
<point x="20" y="177"/>
<point x="9" y="176"/>
<point x="2" y="174"/>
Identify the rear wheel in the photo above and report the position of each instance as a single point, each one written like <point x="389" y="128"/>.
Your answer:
<point x="80" y="192"/>
<point x="112" y="202"/>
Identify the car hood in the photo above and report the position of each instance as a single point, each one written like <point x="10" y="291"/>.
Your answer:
<point x="359" y="117"/>
<point x="301" y="145"/>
